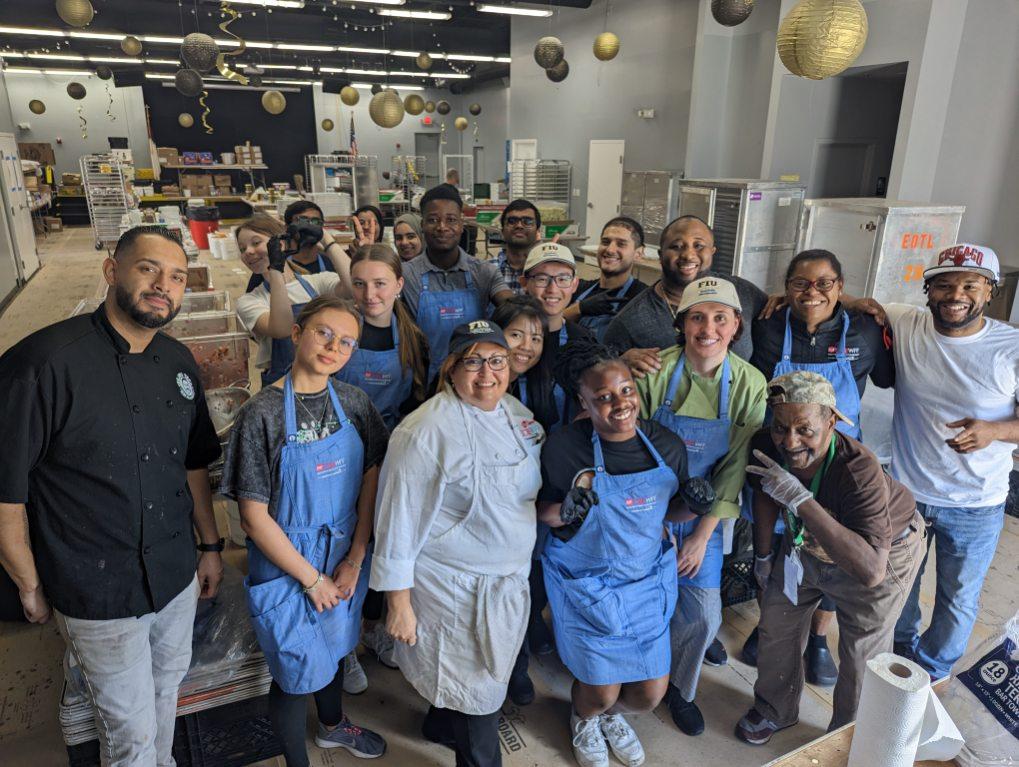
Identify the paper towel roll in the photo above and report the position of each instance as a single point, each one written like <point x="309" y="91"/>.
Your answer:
<point x="898" y="711"/>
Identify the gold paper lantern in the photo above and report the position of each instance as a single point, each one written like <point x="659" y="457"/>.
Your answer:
<point x="414" y="104"/>
<point x="188" y="82"/>
<point x="274" y="102"/>
<point x="185" y="120"/>
<point x="386" y="109"/>
<point x="131" y="45"/>
<point x="460" y="123"/>
<point x="424" y="61"/>
<point x="820" y="38"/>
<point x="76" y="13"/>
<point x="443" y="108"/>
<point x="429" y="106"/>
<point x="559" y="72"/>
<point x="328" y="125"/>
<point x="349" y="95"/>
<point x="76" y="91"/>
<point x="36" y="107"/>
<point x="199" y="51"/>
<point x="606" y="46"/>
<point x="103" y="72"/>
<point x="548" y="52"/>
<point x="474" y="109"/>
<point x="729" y="13"/>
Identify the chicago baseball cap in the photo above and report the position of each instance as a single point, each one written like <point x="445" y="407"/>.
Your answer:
<point x="476" y="332"/>
<point x="965" y="257"/>
<point x="709" y="289"/>
<point x="803" y="387"/>
<point x="549" y="251"/>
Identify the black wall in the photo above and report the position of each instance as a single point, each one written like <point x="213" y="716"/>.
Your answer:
<point x="236" y="117"/>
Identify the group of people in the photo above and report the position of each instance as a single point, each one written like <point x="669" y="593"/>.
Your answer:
<point x="444" y="446"/>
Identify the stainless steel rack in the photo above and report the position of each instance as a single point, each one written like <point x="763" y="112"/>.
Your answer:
<point x="543" y="182"/>
<point x="105" y="178"/>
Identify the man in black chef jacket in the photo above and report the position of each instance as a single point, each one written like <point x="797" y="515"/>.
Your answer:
<point x="105" y="440"/>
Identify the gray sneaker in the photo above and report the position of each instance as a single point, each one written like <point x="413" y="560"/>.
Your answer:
<point x="381" y="644"/>
<point x="354" y="680"/>
<point x="362" y="743"/>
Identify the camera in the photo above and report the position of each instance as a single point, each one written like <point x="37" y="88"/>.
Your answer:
<point x="299" y="235"/>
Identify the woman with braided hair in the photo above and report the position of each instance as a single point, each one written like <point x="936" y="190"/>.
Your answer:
<point x="608" y="484"/>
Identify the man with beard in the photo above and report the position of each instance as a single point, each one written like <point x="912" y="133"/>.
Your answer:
<point x="520" y="222"/>
<point x="105" y="440"/>
<point x="645" y="325"/>
<point x="598" y="301"/>
<point x="954" y="428"/>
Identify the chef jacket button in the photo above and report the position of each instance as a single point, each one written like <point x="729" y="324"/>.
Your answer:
<point x="148" y="505"/>
<point x="147" y="550"/>
<point x="176" y="534"/>
<point x="145" y="456"/>
<point x="135" y="409"/>
<point x="122" y="359"/>
<point x="180" y="493"/>
<point x="169" y="403"/>
<point x="155" y="358"/>
<point x="173" y="451"/>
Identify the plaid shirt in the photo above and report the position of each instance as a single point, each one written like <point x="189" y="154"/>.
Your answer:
<point x="511" y="275"/>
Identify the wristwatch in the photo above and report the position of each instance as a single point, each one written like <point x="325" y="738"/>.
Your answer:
<point x="218" y="546"/>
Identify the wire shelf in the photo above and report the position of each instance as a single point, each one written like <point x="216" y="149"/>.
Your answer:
<point x="543" y="182"/>
<point x="105" y="178"/>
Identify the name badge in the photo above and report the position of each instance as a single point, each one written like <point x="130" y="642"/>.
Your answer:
<point x="792" y="571"/>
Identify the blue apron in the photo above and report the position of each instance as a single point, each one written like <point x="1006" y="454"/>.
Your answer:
<point x="707" y="442"/>
<point x="283" y="348"/>
<point x="612" y="587"/>
<point x="440" y="312"/>
<point x="598" y="325"/>
<point x="839" y="374"/>
<point x="381" y="376"/>
<point x="319" y="485"/>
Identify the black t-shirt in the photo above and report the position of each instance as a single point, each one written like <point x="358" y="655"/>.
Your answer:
<point x="570" y="450"/>
<point x="636" y="288"/>
<point x="313" y="268"/>
<point x="97" y="441"/>
<point x="375" y="339"/>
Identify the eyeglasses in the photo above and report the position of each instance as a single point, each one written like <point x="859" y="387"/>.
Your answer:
<point x="802" y="285"/>
<point x="544" y="280"/>
<point x="450" y="221"/>
<point x="495" y="363"/>
<point x="324" y="337"/>
<point x="520" y="221"/>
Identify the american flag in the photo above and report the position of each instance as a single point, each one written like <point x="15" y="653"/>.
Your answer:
<point x="353" y="138"/>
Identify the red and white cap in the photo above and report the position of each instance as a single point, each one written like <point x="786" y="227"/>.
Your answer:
<point x="965" y="257"/>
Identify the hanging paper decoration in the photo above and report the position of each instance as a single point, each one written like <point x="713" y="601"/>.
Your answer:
<point x="475" y="131"/>
<point x="443" y="108"/>
<point x="188" y="82"/>
<point x="76" y="91"/>
<point x="460" y="123"/>
<point x="255" y="80"/>
<point x="328" y="125"/>
<point x="820" y="38"/>
<point x="199" y="51"/>
<point x="429" y="106"/>
<point x="442" y="133"/>
<point x="376" y="89"/>
<point x="274" y="102"/>
<point x="76" y="13"/>
<point x="36" y="107"/>
<point x="386" y="109"/>
<point x="349" y="95"/>
<point x="103" y="72"/>
<point x="606" y="46"/>
<point x="82" y="121"/>
<point x="131" y="45"/>
<point x="109" y="103"/>
<point x="548" y="52"/>
<point x="559" y="72"/>
<point x="424" y="61"/>
<point x="224" y="70"/>
<point x="474" y="109"/>
<point x="729" y="13"/>
<point x="185" y="120"/>
<point x="206" y="113"/>
<point x="414" y="104"/>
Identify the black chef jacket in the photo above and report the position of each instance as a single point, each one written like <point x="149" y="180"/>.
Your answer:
<point x="96" y="442"/>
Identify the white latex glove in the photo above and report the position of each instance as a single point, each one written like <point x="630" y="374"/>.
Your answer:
<point x="779" y="483"/>
<point x="762" y="570"/>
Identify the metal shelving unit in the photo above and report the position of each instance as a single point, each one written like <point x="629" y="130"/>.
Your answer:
<point x="105" y="179"/>
<point x="406" y="172"/>
<point x="543" y="182"/>
<point x="357" y="175"/>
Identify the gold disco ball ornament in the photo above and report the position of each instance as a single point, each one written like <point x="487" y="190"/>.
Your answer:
<point x="199" y="51"/>
<point x="131" y="45"/>
<point x="474" y="109"/>
<point x="185" y="120"/>
<point x="820" y="38"/>
<point x="424" y="61"/>
<point x="460" y="123"/>
<point x="729" y="13"/>
<point x="76" y="13"/>
<point x="188" y="82"/>
<point x="548" y="52"/>
<point x="414" y="104"/>
<point x="559" y="72"/>
<point x="36" y="107"/>
<point x="386" y="109"/>
<point x="328" y="125"/>
<point x="429" y="106"/>
<point x="443" y="108"/>
<point x="274" y="102"/>
<point x="606" y="46"/>
<point x="76" y="91"/>
<point x="349" y="95"/>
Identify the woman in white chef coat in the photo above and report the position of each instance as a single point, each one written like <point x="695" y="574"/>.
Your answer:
<point x="455" y="525"/>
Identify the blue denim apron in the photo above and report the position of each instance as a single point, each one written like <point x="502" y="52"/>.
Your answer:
<point x="839" y="374"/>
<point x="319" y="485"/>
<point x="707" y="442"/>
<point x="440" y="312"/>
<point x="381" y="376"/>
<point x="598" y="325"/>
<point x="283" y="348"/>
<point x="612" y="587"/>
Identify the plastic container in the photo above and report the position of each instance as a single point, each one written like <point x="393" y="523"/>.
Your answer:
<point x="202" y="219"/>
<point x="209" y="301"/>
<point x="222" y="360"/>
<point x="228" y="736"/>
<point x="199" y="324"/>
<point x="228" y="158"/>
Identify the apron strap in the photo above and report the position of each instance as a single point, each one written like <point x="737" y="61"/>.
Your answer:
<point x="563" y="335"/>
<point x="321" y="264"/>
<point x="599" y="457"/>
<point x="425" y="276"/>
<point x="306" y="285"/>
<point x="587" y="292"/>
<point x="395" y="331"/>
<point x="787" y="341"/>
<point x="626" y="286"/>
<point x="341" y="416"/>
<point x="723" y="392"/>
<point x="289" y="409"/>
<point x="677" y="376"/>
<point x="842" y="353"/>
<point x="522" y="388"/>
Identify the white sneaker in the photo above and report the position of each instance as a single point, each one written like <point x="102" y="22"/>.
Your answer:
<point x="379" y="642"/>
<point x="622" y="740"/>
<point x="354" y="680"/>
<point x="588" y="742"/>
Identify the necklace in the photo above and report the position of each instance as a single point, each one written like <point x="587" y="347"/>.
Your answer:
<point x="673" y="308"/>
<point x="312" y="420"/>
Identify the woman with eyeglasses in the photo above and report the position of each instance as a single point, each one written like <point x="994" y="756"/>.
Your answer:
<point x="303" y="465"/>
<point x="453" y="539"/>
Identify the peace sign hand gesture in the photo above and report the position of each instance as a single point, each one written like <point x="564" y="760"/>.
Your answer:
<point x="779" y="483"/>
<point x="365" y="235"/>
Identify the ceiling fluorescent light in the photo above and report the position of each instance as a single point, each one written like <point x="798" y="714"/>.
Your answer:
<point x="36" y="31"/>
<point x="302" y="47"/>
<point x="468" y="57"/>
<point x="394" y="86"/>
<point x="513" y="10"/>
<point x="429" y="15"/>
<point x="367" y="72"/>
<point x="378" y="2"/>
<point x="154" y="76"/>
<point x="447" y="75"/>
<point x="119" y="60"/>
<point x="273" y="3"/>
<point x="11" y="55"/>
<point x="168" y="62"/>
<point x="29" y="71"/>
<point x="352" y="49"/>
<point x="292" y="82"/>
<point x="278" y="66"/>
<point x="158" y="39"/>
<point x="409" y="54"/>
<point x="59" y="56"/>
<point x="95" y="35"/>
<point x="504" y="59"/>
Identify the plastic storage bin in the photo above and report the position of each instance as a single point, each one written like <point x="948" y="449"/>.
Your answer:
<point x="198" y="324"/>
<point x="222" y="360"/>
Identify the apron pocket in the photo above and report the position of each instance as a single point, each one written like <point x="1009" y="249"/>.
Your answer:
<point x="281" y="615"/>
<point x="591" y="606"/>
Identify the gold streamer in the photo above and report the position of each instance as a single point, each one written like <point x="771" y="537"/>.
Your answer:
<point x="475" y="131"/>
<point x="84" y="124"/>
<point x="221" y="58"/>
<point x="206" y="113"/>
<point x="109" y="93"/>
<point x="442" y="133"/>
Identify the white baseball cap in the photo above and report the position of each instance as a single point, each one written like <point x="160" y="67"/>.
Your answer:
<point x="549" y="251"/>
<point x="965" y="257"/>
<point x="709" y="290"/>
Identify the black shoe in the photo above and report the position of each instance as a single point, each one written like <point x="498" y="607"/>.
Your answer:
<point x="685" y="714"/>
<point x="716" y="655"/>
<point x="539" y="638"/>
<point x="821" y="669"/>
<point x="521" y="689"/>
<point x="749" y="652"/>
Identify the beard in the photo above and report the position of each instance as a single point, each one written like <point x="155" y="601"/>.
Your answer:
<point x="974" y="314"/>
<point x="133" y="309"/>
<point x="673" y="276"/>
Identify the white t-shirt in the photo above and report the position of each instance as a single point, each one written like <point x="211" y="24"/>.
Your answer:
<point x="253" y="305"/>
<point x="940" y="379"/>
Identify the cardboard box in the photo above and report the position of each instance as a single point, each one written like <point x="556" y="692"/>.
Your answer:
<point x="221" y="179"/>
<point x="54" y="224"/>
<point x="72" y="190"/>
<point x="40" y="152"/>
<point x="168" y="155"/>
<point x="71" y="179"/>
<point x="171" y="190"/>
<point x="32" y="183"/>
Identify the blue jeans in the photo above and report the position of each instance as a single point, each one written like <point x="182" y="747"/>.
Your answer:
<point x="966" y="541"/>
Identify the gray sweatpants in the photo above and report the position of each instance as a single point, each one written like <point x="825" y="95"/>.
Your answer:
<point x="697" y="619"/>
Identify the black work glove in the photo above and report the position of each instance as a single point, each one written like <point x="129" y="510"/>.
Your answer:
<point x="277" y="258"/>
<point x="600" y="304"/>
<point x="578" y="502"/>
<point x="304" y="233"/>
<point x="698" y="494"/>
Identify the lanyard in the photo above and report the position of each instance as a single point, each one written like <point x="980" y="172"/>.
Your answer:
<point x="794" y="523"/>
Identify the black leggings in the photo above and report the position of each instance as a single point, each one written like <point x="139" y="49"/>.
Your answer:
<point x="289" y="715"/>
<point x="474" y="737"/>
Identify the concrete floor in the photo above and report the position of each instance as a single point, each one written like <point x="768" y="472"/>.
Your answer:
<point x="30" y="656"/>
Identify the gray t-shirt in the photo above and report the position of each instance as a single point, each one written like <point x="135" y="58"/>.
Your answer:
<point x="251" y="468"/>
<point x="488" y="280"/>
<point x="646" y="321"/>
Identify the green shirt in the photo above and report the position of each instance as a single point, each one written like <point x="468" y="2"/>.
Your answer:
<point x="698" y="397"/>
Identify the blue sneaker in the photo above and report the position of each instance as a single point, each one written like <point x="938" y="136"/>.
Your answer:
<point x="360" y="742"/>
